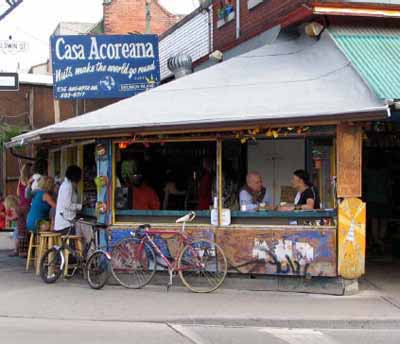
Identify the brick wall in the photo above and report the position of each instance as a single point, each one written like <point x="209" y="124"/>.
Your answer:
<point x="33" y="106"/>
<point x="123" y="16"/>
<point x="256" y="20"/>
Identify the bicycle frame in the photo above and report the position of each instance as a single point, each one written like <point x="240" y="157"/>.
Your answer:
<point x="80" y="259"/>
<point x="183" y="240"/>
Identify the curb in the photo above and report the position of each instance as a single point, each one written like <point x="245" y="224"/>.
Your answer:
<point x="365" y="323"/>
<point x="392" y="323"/>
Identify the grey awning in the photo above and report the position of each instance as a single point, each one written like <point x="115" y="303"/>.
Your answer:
<point x="294" y="78"/>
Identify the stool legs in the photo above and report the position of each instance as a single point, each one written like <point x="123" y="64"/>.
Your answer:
<point x="66" y="258"/>
<point x="41" y="250"/>
<point x="78" y="249"/>
<point x="32" y="251"/>
<point x="47" y="241"/>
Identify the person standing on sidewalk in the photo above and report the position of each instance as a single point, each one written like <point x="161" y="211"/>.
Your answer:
<point x="11" y="211"/>
<point x="67" y="200"/>
<point x="24" y="204"/>
<point x="42" y="202"/>
<point x="2" y="212"/>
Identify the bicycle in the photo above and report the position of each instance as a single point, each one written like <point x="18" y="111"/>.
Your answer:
<point x="52" y="264"/>
<point x="201" y="264"/>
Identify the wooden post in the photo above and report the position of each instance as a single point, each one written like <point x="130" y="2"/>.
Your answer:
<point x="57" y="115"/>
<point x="80" y="162"/>
<point x="219" y="179"/>
<point x="349" y="161"/>
<point x="351" y="211"/>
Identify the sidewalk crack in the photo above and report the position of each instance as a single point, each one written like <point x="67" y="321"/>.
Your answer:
<point x="390" y="301"/>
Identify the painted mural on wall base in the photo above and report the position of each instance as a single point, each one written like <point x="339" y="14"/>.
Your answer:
<point x="292" y="252"/>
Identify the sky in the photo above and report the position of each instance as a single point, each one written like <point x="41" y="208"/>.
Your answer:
<point x="34" y="21"/>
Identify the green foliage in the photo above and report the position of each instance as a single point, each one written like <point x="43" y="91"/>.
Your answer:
<point x="128" y="169"/>
<point x="7" y="132"/>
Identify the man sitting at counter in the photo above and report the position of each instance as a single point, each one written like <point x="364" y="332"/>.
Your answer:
<point x="253" y="195"/>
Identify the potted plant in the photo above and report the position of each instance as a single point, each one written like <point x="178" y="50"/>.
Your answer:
<point x="221" y="10"/>
<point x="228" y="8"/>
<point x="317" y="158"/>
<point x="225" y="9"/>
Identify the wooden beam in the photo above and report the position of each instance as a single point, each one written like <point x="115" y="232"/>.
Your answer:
<point x="219" y="180"/>
<point x="349" y="161"/>
<point x="57" y="115"/>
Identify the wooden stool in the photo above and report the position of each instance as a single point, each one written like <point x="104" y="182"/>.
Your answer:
<point x="32" y="250"/>
<point x="47" y="240"/>
<point x="77" y="240"/>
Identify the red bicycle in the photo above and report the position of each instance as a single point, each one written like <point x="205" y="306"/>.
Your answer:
<point x="201" y="264"/>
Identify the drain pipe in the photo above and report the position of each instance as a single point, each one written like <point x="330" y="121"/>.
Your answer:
<point x="237" y="19"/>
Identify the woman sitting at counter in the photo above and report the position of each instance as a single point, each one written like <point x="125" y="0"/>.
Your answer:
<point x="307" y="197"/>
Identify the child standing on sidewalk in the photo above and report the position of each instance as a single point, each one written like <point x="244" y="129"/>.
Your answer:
<point x="2" y="213"/>
<point x="11" y="210"/>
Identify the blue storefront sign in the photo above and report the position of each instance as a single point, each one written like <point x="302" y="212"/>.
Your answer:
<point x="104" y="66"/>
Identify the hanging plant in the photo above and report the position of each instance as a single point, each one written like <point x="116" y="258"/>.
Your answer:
<point x="128" y="169"/>
<point x="101" y="208"/>
<point x="269" y="133"/>
<point x="317" y="158"/>
<point x="100" y="181"/>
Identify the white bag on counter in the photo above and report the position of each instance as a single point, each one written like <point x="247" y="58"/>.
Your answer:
<point x="226" y="217"/>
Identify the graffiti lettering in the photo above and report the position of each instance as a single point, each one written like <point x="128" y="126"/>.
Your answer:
<point x="287" y="266"/>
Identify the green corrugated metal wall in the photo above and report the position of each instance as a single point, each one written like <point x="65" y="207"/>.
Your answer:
<point x="375" y="53"/>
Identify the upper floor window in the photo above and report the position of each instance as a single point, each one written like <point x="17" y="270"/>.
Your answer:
<point x="253" y="3"/>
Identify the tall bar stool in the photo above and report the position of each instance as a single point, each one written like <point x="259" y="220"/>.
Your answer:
<point x="77" y="244"/>
<point x="46" y="241"/>
<point x="32" y="250"/>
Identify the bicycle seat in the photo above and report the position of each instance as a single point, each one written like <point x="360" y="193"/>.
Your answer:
<point x="142" y="227"/>
<point x="187" y="218"/>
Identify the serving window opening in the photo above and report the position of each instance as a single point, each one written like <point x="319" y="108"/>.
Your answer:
<point x="159" y="182"/>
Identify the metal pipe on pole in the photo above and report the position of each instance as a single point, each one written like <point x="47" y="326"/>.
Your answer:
<point x="148" y="16"/>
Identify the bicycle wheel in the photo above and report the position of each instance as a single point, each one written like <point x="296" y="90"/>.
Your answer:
<point x="133" y="263"/>
<point x="202" y="266"/>
<point x="52" y="265"/>
<point x="98" y="270"/>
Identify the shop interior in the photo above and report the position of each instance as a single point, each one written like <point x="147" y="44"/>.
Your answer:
<point x="381" y="179"/>
<point x="175" y="172"/>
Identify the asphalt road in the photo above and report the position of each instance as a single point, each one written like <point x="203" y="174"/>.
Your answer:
<point x="36" y="331"/>
<point x="70" y="312"/>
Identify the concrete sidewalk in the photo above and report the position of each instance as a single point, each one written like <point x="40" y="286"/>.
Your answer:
<point x="23" y="295"/>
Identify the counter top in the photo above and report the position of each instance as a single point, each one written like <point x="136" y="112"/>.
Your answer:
<point x="298" y="214"/>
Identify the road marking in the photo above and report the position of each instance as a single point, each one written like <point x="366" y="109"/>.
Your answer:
<point x="186" y="333"/>
<point x="299" y="336"/>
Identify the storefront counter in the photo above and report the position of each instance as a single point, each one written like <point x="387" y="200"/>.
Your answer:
<point x="266" y="248"/>
<point x="298" y="217"/>
<point x="237" y="217"/>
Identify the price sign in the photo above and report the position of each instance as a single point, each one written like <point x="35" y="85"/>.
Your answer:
<point x="9" y="82"/>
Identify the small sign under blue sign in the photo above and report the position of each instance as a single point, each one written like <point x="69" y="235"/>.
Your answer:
<point x="104" y="66"/>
